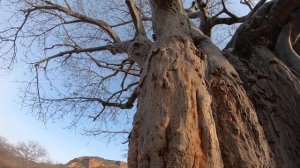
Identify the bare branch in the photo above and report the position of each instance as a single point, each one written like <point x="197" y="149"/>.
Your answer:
<point x="137" y="20"/>
<point x="228" y="21"/>
<point x="101" y="101"/>
<point x="265" y="24"/>
<point x="295" y="28"/>
<point x="247" y="3"/>
<point x="204" y="10"/>
<point x="114" y="49"/>
<point x="98" y="132"/>
<point x="227" y="11"/>
<point x="103" y="25"/>
<point x="112" y="68"/>
<point x="139" y="47"/>
<point x="127" y="105"/>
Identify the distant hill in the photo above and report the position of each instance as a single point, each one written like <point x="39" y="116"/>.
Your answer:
<point x="95" y="162"/>
<point x="9" y="158"/>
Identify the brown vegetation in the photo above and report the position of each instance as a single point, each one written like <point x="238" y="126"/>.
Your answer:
<point x="95" y="162"/>
<point x="9" y="158"/>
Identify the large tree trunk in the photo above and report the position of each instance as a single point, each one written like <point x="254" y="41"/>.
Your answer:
<point x="197" y="109"/>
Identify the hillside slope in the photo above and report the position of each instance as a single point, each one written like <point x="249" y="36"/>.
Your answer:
<point x="7" y="158"/>
<point x="95" y="162"/>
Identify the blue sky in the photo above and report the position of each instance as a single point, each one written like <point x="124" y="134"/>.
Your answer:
<point x="17" y="124"/>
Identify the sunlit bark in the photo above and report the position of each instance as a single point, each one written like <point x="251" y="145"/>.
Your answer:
<point x="200" y="108"/>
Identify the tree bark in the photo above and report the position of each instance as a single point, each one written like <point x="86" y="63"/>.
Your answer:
<point x="200" y="108"/>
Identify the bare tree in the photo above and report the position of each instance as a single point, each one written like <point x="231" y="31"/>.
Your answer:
<point x="7" y="154"/>
<point x="6" y="147"/>
<point x="197" y="106"/>
<point x="3" y="142"/>
<point x="30" y="152"/>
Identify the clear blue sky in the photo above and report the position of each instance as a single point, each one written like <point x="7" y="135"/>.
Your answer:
<point x="18" y="124"/>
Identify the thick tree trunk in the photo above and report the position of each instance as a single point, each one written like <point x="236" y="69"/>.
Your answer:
<point x="275" y="93"/>
<point x="174" y="112"/>
<point x="197" y="109"/>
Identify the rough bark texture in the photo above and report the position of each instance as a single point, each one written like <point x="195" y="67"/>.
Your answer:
<point x="199" y="107"/>
<point x="285" y="52"/>
<point x="169" y="134"/>
<point x="274" y="91"/>
<point x="206" y="118"/>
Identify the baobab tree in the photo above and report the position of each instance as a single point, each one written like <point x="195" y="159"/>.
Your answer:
<point x="197" y="106"/>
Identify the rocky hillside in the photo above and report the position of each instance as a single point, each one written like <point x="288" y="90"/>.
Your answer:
<point x="95" y="162"/>
<point x="10" y="158"/>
